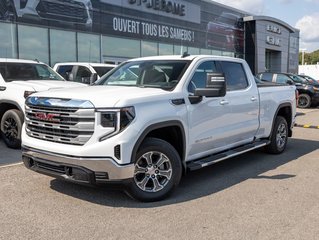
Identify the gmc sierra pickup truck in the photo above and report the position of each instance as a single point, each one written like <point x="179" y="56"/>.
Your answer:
<point x="150" y="120"/>
<point x="18" y="79"/>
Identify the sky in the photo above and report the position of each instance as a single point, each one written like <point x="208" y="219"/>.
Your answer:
<point x="300" y="14"/>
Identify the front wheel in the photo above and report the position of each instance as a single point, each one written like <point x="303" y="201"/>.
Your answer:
<point x="158" y="170"/>
<point x="279" y="136"/>
<point x="304" y="101"/>
<point x="11" y="125"/>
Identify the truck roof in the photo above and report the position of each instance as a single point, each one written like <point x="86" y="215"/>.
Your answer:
<point x="190" y="57"/>
<point x="14" y="60"/>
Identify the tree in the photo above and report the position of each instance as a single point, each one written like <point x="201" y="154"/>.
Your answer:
<point x="309" y="58"/>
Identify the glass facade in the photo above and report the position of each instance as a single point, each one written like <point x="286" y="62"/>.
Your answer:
<point x="8" y="43"/>
<point x="62" y="46"/>
<point x="31" y="47"/>
<point x="88" y="47"/>
<point x="52" y="45"/>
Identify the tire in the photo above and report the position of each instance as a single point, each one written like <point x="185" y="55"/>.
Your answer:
<point x="304" y="101"/>
<point x="158" y="170"/>
<point x="11" y="126"/>
<point x="279" y="136"/>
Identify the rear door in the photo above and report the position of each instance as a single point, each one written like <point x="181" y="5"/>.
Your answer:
<point x="243" y="98"/>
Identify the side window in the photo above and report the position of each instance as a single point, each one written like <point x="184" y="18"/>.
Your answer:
<point x="83" y="74"/>
<point x="281" y="78"/>
<point x="65" y="70"/>
<point x="235" y="75"/>
<point x="199" y="78"/>
<point x="266" y="76"/>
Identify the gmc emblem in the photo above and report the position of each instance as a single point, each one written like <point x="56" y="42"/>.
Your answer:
<point x="50" y="117"/>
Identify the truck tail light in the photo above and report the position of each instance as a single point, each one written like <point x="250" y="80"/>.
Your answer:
<point x="296" y="95"/>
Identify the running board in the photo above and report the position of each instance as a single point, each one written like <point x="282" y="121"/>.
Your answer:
<point x="204" y="162"/>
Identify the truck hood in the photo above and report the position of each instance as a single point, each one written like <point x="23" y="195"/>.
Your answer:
<point x="108" y="96"/>
<point x="43" y="85"/>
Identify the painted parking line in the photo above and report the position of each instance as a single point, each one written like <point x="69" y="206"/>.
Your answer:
<point x="10" y="165"/>
<point x="307" y="126"/>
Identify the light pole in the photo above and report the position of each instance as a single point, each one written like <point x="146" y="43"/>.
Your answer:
<point x="303" y="50"/>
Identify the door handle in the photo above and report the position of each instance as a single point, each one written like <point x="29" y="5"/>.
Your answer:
<point x="253" y="99"/>
<point x="2" y="88"/>
<point x="223" y="102"/>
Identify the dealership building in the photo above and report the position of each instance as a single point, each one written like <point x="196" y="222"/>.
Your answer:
<point x="116" y="30"/>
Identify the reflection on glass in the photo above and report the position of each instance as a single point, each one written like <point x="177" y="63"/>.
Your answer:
<point x="193" y="51"/>
<point x="88" y="48"/>
<point x="165" y="49"/>
<point x="31" y="47"/>
<point x="63" y="46"/>
<point x="8" y="46"/>
<point x="205" y="51"/>
<point x="120" y="47"/>
<point x="149" y="49"/>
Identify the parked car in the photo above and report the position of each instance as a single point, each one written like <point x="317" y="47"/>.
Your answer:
<point x="82" y="72"/>
<point x="152" y="119"/>
<point x="308" y="90"/>
<point x="19" y="79"/>
<point x="310" y="79"/>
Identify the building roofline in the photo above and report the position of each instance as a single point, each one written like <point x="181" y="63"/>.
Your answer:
<point x="270" y="19"/>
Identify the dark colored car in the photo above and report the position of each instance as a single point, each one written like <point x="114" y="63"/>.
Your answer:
<point x="308" y="90"/>
<point x="308" y="78"/>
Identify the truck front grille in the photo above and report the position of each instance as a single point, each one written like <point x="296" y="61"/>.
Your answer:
<point x="73" y="126"/>
<point x="66" y="10"/>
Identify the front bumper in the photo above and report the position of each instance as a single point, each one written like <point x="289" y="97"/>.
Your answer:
<point x="93" y="171"/>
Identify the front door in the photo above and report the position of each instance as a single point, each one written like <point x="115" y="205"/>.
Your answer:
<point x="219" y="123"/>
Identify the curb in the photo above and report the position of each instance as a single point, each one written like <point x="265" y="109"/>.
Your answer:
<point x="307" y="126"/>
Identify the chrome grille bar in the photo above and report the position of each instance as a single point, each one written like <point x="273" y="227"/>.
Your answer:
<point x="73" y="126"/>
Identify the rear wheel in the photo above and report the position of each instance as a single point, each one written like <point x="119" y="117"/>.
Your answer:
<point x="279" y="136"/>
<point x="158" y="170"/>
<point x="11" y="125"/>
<point x="304" y="101"/>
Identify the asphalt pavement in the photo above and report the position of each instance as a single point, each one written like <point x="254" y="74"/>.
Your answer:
<point x="252" y="196"/>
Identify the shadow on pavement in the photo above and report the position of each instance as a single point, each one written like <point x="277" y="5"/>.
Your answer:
<point x="202" y="182"/>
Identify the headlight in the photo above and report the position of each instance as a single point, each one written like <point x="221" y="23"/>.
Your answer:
<point x="116" y="120"/>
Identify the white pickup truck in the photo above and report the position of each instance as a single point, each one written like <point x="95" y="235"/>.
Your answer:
<point x="148" y="121"/>
<point x="18" y="79"/>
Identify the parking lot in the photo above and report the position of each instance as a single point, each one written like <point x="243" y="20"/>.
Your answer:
<point x="253" y="196"/>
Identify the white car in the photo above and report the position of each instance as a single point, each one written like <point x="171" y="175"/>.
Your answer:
<point x="82" y="71"/>
<point x="151" y="119"/>
<point x="19" y="79"/>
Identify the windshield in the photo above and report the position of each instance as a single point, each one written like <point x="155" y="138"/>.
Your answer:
<point x="102" y="70"/>
<point x="27" y="71"/>
<point x="152" y="73"/>
<point x="298" y="79"/>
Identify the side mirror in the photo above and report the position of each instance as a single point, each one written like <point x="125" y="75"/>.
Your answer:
<point x="215" y="86"/>
<point x="290" y="82"/>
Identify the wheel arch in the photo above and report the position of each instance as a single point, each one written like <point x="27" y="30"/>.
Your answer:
<point x="7" y="105"/>
<point x="284" y="110"/>
<point x="171" y="131"/>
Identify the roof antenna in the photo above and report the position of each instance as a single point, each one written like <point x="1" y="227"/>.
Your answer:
<point x="185" y="54"/>
<point x="37" y="60"/>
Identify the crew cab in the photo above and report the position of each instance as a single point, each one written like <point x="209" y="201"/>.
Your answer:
<point x="18" y="79"/>
<point x="150" y="120"/>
